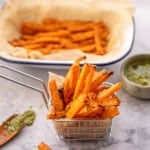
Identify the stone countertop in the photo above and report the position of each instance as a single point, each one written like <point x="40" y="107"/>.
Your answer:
<point x="130" y="130"/>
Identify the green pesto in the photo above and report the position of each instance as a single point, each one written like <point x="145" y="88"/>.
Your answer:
<point x="139" y="72"/>
<point x="25" y="119"/>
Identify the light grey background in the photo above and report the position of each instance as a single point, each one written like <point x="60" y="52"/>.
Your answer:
<point x="130" y="130"/>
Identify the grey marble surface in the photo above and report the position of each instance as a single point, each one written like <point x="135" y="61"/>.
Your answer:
<point x="130" y="130"/>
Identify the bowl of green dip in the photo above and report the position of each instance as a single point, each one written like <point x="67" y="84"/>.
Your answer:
<point x="135" y="75"/>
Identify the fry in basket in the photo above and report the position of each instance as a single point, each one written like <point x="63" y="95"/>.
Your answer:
<point x="71" y="80"/>
<point x="110" y="101"/>
<point x="102" y="76"/>
<point x="110" y="91"/>
<point x="101" y="88"/>
<point x="110" y="112"/>
<point x="56" y="115"/>
<point x="56" y="100"/>
<point x="81" y="81"/>
<point x="89" y="79"/>
<point x="94" y="110"/>
<point x="76" y="105"/>
<point x="82" y="113"/>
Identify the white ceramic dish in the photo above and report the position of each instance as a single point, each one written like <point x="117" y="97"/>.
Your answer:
<point x="109" y="58"/>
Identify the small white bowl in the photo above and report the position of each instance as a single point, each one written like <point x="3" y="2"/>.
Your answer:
<point x="131" y="87"/>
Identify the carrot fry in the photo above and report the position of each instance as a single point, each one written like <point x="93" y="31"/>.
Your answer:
<point x="96" y="82"/>
<point x="56" y="101"/>
<point x="73" y="24"/>
<point x="82" y="36"/>
<point x="80" y="59"/>
<point x="48" y="50"/>
<point x="70" y="82"/>
<point x="101" y="88"/>
<point x="82" y="113"/>
<point x="110" y="101"/>
<point x="67" y="43"/>
<point x="59" y="33"/>
<point x="91" y="96"/>
<point x="34" y="46"/>
<point x="100" y="79"/>
<point x="99" y="48"/>
<point x="88" y="48"/>
<point x="46" y="39"/>
<point x="110" y="112"/>
<point x="95" y="112"/>
<point x="32" y="28"/>
<point x="81" y="81"/>
<point x="86" y="43"/>
<point x="43" y="146"/>
<point x="16" y="42"/>
<point x="71" y="79"/>
<point x="94" y="109"/>
<point x="47" y="21"/>
<point x="27" y="37"/>
<point x="80" y="28"/>
<point x="89" y="78"/>
<point x="76" y="105"/>
<point x="56" y="115"/>
<point x="110" y="91"/>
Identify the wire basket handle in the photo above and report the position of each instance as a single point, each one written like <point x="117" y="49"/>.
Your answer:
<point x="44" y="93"/>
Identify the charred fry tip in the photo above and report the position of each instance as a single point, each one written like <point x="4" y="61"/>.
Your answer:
<point x="93" y="66"/>
<point x="103" y="71"/>
<point x="84" y="57"/>
<point x="119" y="85"/>
<point x="86" y="64"/>
<point x="110" y="73"/>
<point x="80" y="59"/>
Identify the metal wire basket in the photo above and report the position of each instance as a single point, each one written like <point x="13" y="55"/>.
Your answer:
<point x="68" y="129"/>
<point x="76" y="129"/>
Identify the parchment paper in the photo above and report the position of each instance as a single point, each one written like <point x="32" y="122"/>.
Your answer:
<point x="116" y="14"/>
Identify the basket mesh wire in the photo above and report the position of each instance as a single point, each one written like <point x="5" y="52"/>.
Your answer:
<point x="82" y="129"/>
